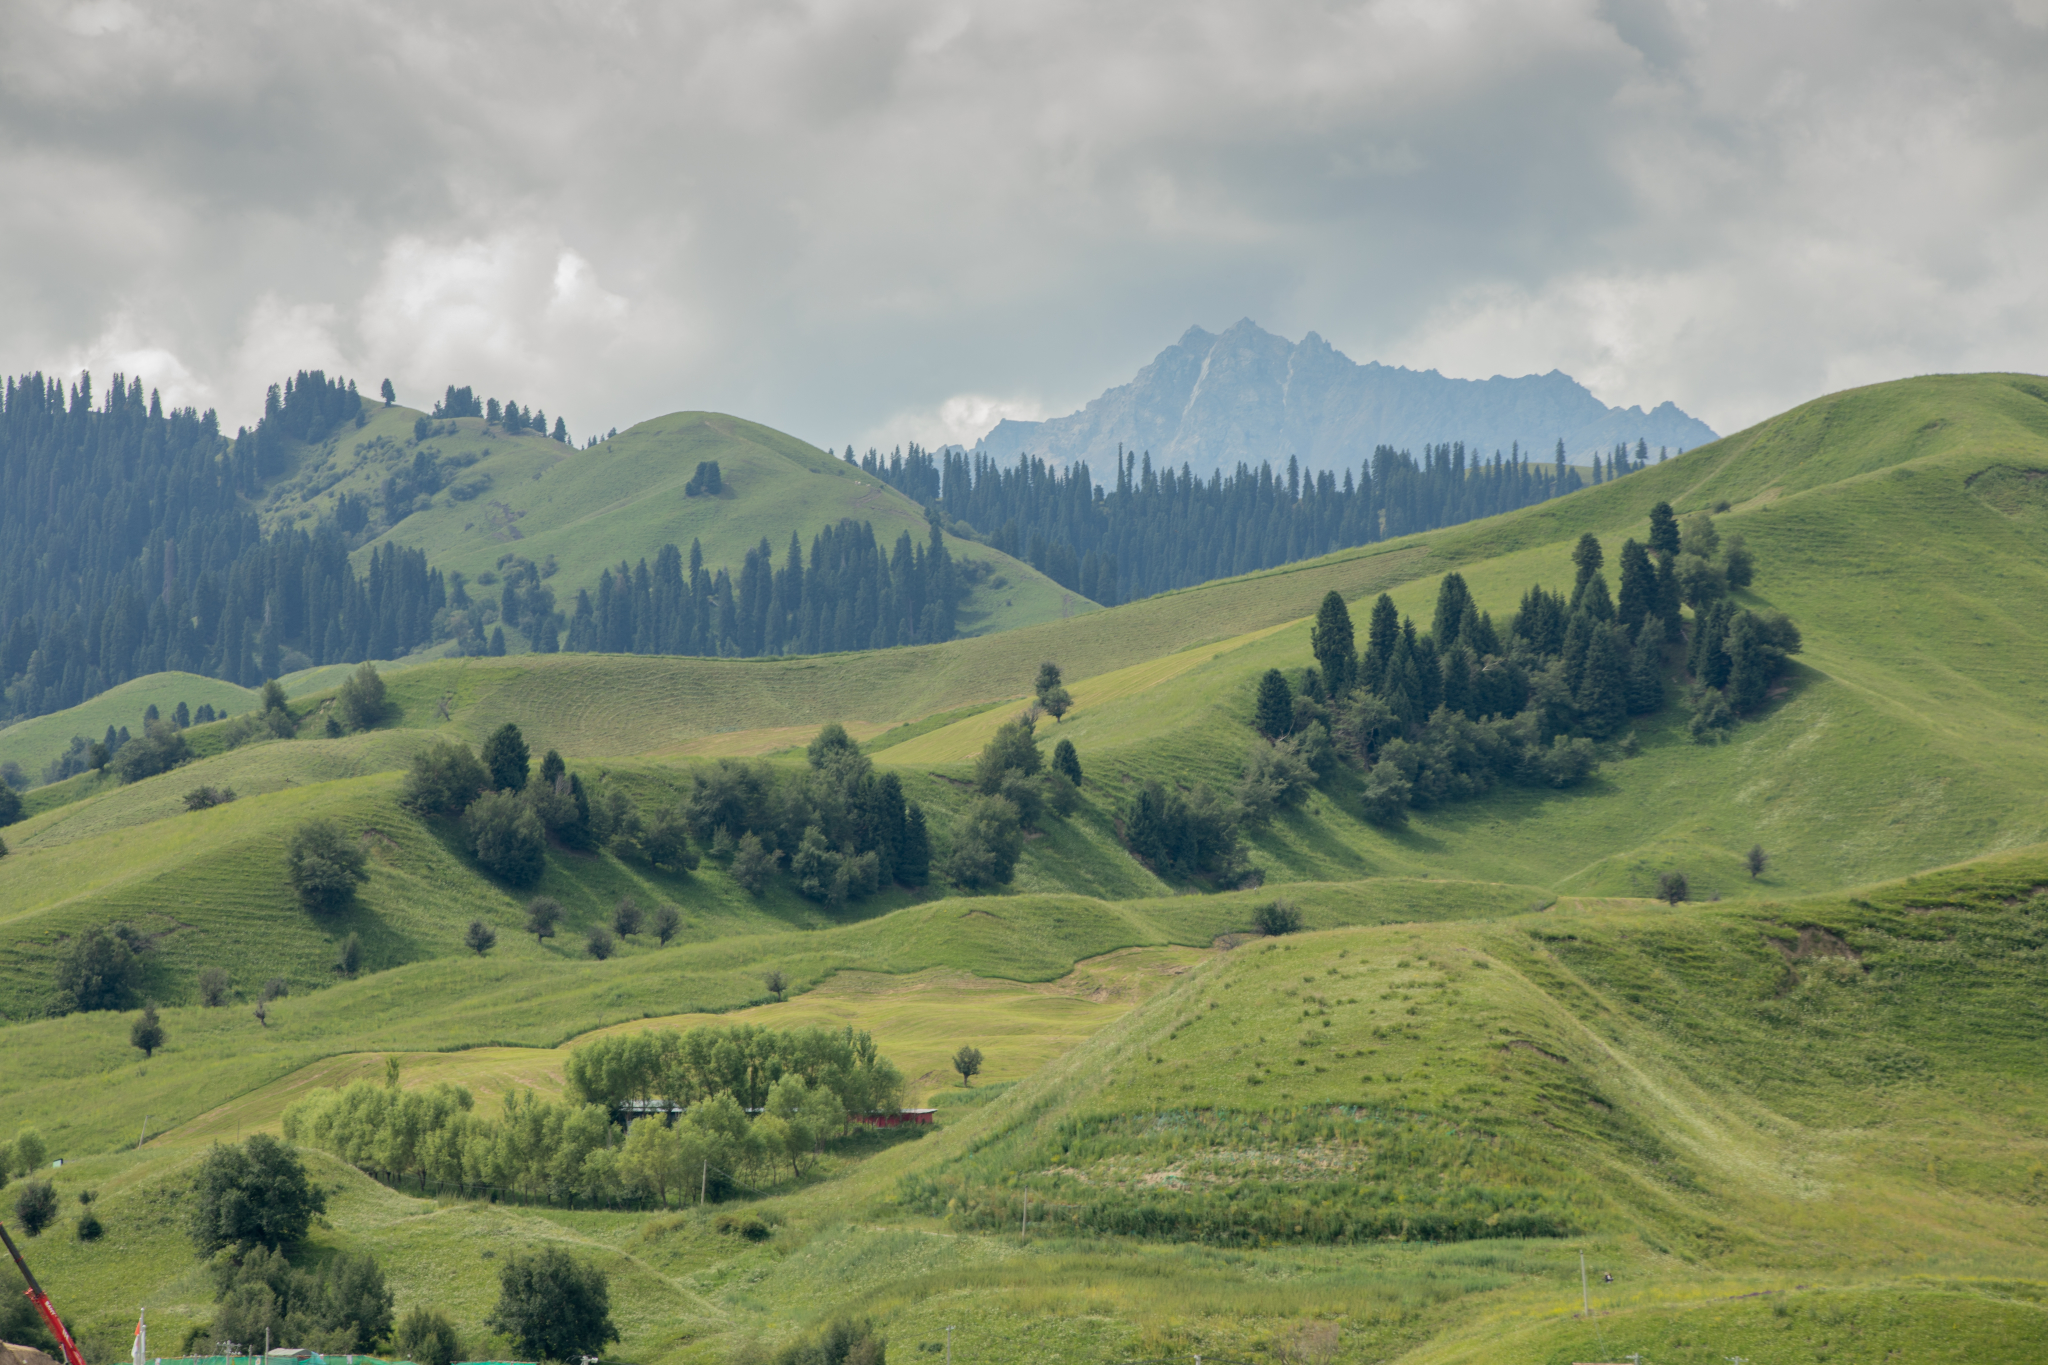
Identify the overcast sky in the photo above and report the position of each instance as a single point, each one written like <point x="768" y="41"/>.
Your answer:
<point x="867" y="222"/>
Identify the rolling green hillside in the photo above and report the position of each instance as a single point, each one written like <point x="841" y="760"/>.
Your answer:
<point x="533" y="497"/>
<point x="33" y="743"/>
<point x="1804" y="1117"/>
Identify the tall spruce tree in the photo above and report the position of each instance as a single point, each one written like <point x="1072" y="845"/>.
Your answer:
<point x="1382" y="631"/>
<point x="1587" y="560"/>
<point x="1273" y="712"/>
<point x="1330" y="640"/>
<point x="1604" y="683"/>
<point x="1638" y="588"/>
<point x="1453" y="600"/>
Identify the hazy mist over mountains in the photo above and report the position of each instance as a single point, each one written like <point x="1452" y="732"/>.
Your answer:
<point x="1212" y="400"/>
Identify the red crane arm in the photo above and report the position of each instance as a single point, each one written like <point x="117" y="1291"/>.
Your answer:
<point x="41" y="1300"/>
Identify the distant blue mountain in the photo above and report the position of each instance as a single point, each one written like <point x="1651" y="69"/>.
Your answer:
<point x="1210" y="401"/>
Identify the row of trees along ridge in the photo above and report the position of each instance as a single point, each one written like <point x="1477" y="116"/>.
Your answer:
<point x="1156" y="529"/>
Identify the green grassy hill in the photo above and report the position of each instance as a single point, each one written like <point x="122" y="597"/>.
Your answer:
<point x="1808" y="1122"/>
<point x="34" y="742"/>
<point x="533" y="497"/>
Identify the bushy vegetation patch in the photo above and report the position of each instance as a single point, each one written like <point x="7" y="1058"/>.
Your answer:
<point x="1339" y="1175"/>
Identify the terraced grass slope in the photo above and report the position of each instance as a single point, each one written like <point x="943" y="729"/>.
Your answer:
<point x="623" y="499"/>
<point x="1809" y="1128"/>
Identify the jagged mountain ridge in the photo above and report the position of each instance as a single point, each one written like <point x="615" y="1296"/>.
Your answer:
<point x="1211" y="400"/>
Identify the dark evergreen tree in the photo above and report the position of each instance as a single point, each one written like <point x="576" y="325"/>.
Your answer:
<point x="1382" y="633"/>
<point x="506" y="759"/>
<point x="1603" y="692"/>
<point x="1453" y="601"/>
<point x="1066" y="761"/>
<point x="1587" y="560"/>
<point x="1664" y="531"/>
<point x="1330" y="640"/>
<point x="1638" y="589"/>
<point x="1273" y="711"/>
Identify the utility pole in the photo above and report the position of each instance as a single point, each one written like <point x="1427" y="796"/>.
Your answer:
<point x="1585" y="1293"/>
<point x="145" y="1132"/>
<point x="703" y="1182"/>
<point x="949" y="1346"/>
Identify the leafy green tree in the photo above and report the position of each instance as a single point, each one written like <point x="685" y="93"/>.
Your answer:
<point x="627" y="917"/>
<point x="1011" y="749"/>
<point x="1331" y="641"/>
<point x="553" y="1306"/>
<point x="1711" y="717"/>
<point x="1672" y="888"/>
<point x="988" y="839"/>
<point x="666" y="842"/>
<point x="666" y="923"/>
<point x="213" y="987"/>
<point x="1275" y="778"/>
<point x="598" y="942"/>
<point x="1756" y="861"/>
<point x="90" y="1229"/>
<point x="390" y="396"/>
<point x="552" y="768"/>
<point x="35" y="1206"/>
<point x="506" y="759"/>
<point x="1273" y="711"/>
<point x="102" y="970"/>
<point x="507" y="838"/>
<point x="256" y="1194"/>
<point x="324" y="865"/>
<point x="1664" y="539"/>
<point x="1275" y="918"/>
<point x="1700" y="582"/>
<point x="543" y="914"/>
<point x="348" y="959"/>
<point x="1386" y="795"/>
<point x="426" y="1336"/>
<point x="776" y="981"/>
<point x="480" y="938"/>
<point x="967" y="1061"/>
<point x="1736" y="563"/>
<point x="444" y="779"/>
<point x="160" y="748"/>
<point x="1698" y="536"/>
<point x="752" y="864"/>
<point x="146" y="1032"/>
<point x="831" y="747"/>
<point x="1053" y="697"/>
<point x="360" y="703"/>
<point x="10" y="804"/>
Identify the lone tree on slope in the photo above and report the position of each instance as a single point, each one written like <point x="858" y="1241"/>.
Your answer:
<point x="967" y="1061"/>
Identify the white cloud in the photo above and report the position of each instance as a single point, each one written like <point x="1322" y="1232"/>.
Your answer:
<point x="840" y="218"/>
<point x="960" y="420"/>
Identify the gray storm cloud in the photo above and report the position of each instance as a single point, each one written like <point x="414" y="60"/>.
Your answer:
<point x="889" y="220"/>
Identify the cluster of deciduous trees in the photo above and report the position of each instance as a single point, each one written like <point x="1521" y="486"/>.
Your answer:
<point x="682" y="1067"/>
<point x="1159" y="529"/>
<point x="749" y="1100"/>
<point x="843" y="829"/>
<point x="507" y="817"/>
<point x="850" y="594"/>
<point x="1449" y="713"/>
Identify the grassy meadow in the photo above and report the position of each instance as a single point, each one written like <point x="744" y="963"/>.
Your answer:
<point x="1803" y="1117"/>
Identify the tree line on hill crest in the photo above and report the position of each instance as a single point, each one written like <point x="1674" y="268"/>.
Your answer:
<point x="128" y="547"/>
<point x="1156" y="530"/>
